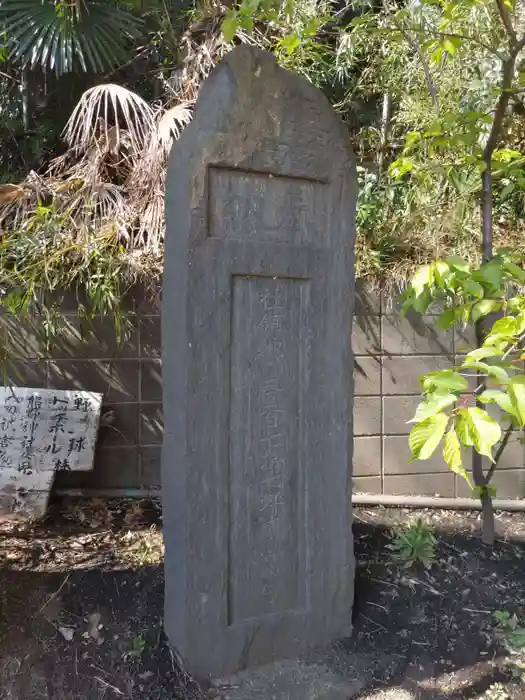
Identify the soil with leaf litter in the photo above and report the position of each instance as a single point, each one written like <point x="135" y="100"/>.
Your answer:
<point x="81" y="598"/>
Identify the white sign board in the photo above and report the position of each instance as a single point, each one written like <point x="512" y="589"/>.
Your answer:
<point x="43" y="431"/>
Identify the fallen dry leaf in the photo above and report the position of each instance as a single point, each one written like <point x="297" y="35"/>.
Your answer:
<point x="94" y="627"/>
<point x="67" y="632"/>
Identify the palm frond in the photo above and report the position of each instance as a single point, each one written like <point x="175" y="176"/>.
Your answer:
<point x="170" y="124"/>
<point x="58" y="36"/>
<point x="105" y="110"/>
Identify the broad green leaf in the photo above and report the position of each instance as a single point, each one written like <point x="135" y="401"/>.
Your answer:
<point x="452" y="455"/>
<point x="230" y="25"/>
<point x="473" y="288"/>
<point x="506" y="155"/>
<point x="499" y="341"/>
<point x="458" y="263"/>
<point x="434" y="405"/>
<point x="507" y="190"/>
<point x="500" y="398"/>
<point x="411" y="139"/>
<point x="421" y="278"/>
<point x="401" y="167"/>
<point x="516" y="304"/>
<point x="446" y="380"/>
<point x="449" y="46"/>
<point x="446" y="319"/>
<point x="479" y="366"/>
<point x="441" y="270"/>
<point x="504" y="326"/>
<point x="498" y="373"/>
<point x="517" y="396"/>
<point x="490" y="273"/>
<point x="484" y="430"/>
<point x="426" y="436"/>
<point x="483" y="308"/>
<point x="516" y="271"/>
<point x="290" y="43"/>
<point x="482" y="353"/>
<point x="463" y="427"/>
<point x="422" y="302"/>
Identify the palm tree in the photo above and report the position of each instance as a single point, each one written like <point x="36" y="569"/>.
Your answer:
<point x="63" y="35"/>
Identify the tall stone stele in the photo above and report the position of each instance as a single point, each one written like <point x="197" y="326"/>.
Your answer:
<point x="257" y="371"/>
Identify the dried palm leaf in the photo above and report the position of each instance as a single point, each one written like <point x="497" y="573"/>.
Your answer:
<point x="170" y="124"/>
<point x="107" y="108"/>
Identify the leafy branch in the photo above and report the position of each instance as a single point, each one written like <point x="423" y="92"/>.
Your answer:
<point x="452" y="410"/>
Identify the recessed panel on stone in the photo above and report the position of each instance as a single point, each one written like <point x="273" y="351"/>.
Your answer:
<point x="257" y="371"/>
<point x="266" y="207"/>
<point x="267" y="564"/>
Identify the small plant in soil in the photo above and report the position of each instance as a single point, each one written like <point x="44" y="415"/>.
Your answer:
<point x="512" y="630"/>
<point x="137" y="647"/>
<point x="414" y="543"/>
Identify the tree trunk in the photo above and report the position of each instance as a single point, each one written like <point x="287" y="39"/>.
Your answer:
<point x="488" y="531"/>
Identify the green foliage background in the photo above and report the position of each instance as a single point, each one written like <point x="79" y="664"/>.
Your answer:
<point x="415" y="82"/>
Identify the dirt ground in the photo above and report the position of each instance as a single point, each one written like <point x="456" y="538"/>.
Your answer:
<point x="81" y="598"/>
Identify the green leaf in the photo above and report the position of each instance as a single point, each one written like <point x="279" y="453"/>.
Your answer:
<point x="445" y="379"/>
<point x="401" y="167"/>
<point x="449" y="46"/>
<point x="434" y="405"/>
<point x="463" y="427"/>
<point x="500" y="398"/>
<point x="473" y="288"/>
<point x="452" y="455"/>
<point x="485" y="432"/>
<point x="479" y="366"/>
<point x="498" y="373"/>
<point x="484" y="307"/>
<point x="230" y="25"/>
<point x="490" y="273"/>
<point x="507" y="190"/>
<point x="504" y="326"/>
<point x="458" y="263"/>
<point x="482" y="353"/>
<point x="516" y="271"/>
<point x="441" y="270"/>
<point x="517" y="396"/>
<point x="290" y="43"/>
<point x="426" y="436"/>
<point x="422" y="302"/>
<point x="446" y="319"/>
<point x="421" y="278"/>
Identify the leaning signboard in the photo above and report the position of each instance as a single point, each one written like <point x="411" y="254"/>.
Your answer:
<point x="43" y="431"/>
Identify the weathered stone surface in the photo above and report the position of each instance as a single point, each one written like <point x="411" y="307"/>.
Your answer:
<point x="42" y="431"/>
<point x="257" y="371"/>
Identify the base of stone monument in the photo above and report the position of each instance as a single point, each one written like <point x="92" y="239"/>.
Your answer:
<point x="315" y="679"/>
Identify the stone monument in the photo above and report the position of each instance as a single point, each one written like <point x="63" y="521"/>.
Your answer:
<point x="257" y="371"/>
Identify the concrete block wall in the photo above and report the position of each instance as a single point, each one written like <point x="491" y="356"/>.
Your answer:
<point x="391" y="355"/>
<point x="128" y="374"/>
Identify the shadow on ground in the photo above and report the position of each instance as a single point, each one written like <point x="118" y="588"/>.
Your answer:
<point x="81" y="617"/>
